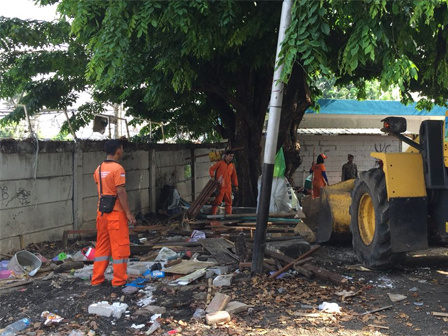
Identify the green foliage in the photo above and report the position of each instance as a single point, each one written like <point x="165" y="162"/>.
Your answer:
<point x="371" y="90"/>
<point x="40" y="63"/>
<point x="400" y="43"/>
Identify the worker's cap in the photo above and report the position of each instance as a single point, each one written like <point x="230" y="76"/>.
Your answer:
<point x="324" y="156"/>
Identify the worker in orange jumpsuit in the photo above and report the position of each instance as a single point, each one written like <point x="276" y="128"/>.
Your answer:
<point x="112" y="228"/>
<point x="224" y="172"/>
<point x="319" y="175"/>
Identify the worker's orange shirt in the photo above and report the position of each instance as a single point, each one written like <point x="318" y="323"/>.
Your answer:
<point x="228" y="173"/>
<point x="317" y="169"/>
<point x="112" y="176"/>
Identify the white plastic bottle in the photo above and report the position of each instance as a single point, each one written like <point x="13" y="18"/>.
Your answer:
<point x="15" y="327"/>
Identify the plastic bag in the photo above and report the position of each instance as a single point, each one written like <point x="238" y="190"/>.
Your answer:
<point x="281" y="196"/>
<point x="166" y="254"/>
<point x="280" y="165"/>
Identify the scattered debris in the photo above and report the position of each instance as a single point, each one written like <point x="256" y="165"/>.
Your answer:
<point x="217" y="317"/>
<point x="357" y="268"/>
<point x="218" y="303"/>
<point x="223" y="280"/>
<point x="185" y="280"/>
<point x="50" y="318"/>
<point x="330" y="307"/>
<point x="396" y="297"/>
<point x="235" y="307"/>
<point x="103" y="308"/>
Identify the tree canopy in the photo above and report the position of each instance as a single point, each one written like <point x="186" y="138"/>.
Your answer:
<point x="209" y="64"/>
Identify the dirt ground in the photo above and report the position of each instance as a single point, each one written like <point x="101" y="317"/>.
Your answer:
<point x="277" y="304"/>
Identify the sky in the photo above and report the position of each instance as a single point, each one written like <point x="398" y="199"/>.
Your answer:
<point x="26" y="9"/>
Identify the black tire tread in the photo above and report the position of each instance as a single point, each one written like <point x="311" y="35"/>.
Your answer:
<point x="377" y="255"/>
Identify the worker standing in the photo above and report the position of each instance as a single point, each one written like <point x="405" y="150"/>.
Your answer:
<point x="319" y="175"/>
<point x="112" y="217"/>
<point x="224" y="172"/>
<point x="350" y="169"/>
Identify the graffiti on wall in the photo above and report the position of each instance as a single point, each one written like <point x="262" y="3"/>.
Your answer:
<point x="22" y="196"/>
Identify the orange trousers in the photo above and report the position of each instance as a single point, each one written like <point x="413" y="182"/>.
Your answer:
<point x="317" y="186"/>
<point x="112" y="240"/>
<point x="225" y="194"/>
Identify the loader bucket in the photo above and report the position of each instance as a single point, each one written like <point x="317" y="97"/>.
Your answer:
<point x="333" y="219"/>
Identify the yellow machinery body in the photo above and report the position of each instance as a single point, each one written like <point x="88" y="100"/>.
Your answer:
<point x="404" y="178"/>
<point x="333" y="221"/>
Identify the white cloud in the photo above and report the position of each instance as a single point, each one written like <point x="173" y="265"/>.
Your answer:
<point x="26" y="9"/>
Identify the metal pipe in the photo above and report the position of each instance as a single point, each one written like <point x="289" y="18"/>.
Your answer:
<point x="275" y="111"/>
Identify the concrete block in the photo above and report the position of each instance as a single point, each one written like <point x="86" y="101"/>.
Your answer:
<point x="223" y="280"/>
<point x="236" y="307"/>
<point x="217" y="317"/>
<point x="219" y="302"/>
<point x="291" y="248"/>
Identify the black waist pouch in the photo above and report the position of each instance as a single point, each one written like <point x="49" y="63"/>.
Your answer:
<point x="107" y="203"/>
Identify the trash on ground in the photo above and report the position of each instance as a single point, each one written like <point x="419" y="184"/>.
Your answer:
<point x="396" y="297"/>
<point x="137" y="326"/>
<point x="345" y="294"/>
<point x="185" y="280"/>
<point x="358" y="268"/>
<point x="166" y="254"/>
<point x="223" y="280"/>
<point x="50" y="318"/>
<point x="197" y="235"/>
<point x="330" y="307"/>
<point x="103" y="308"/>
<point x="154" y="327"/>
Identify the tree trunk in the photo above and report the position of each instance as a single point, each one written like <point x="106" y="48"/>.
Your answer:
<point x="296" y="101"/>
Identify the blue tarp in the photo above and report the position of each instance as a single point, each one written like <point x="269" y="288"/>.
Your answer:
<point x="373" y="107"/>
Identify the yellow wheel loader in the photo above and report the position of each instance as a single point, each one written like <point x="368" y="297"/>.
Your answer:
<point x="387" y="209"/>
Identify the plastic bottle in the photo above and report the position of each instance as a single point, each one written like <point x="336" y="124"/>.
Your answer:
<point x="157" y="274"/>
<point x="15" y="327"/>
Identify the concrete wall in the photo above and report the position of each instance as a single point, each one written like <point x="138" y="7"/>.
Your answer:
<point x="62" y="195"/>
<point x="337" y="148"/>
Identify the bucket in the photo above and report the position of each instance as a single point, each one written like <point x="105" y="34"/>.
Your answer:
<point x="89" y="253"/>
<point x="24" y="262"/>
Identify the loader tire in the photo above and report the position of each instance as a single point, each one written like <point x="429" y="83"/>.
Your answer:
<point x="370" y="222"/>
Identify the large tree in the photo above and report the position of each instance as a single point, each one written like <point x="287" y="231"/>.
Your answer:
<point x="209" y="64"/>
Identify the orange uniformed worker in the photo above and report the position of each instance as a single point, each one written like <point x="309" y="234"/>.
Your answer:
<point x="112" y="228"/>
<point x="319" y="175"/>
<point x="224" y="172"/>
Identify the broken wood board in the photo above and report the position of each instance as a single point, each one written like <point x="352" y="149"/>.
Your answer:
<point x="272" y="215"/>
<point x="15" y="284"/>
<point x="219" y="248"/>
<point x="326" y="275"/>
<point x="187" y="279"/>
<point x="291" y="264"/>
<point x="188" y="266"/>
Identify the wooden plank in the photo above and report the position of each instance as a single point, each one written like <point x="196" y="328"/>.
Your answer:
<point x="302" y="270"/>
<point x="271" y="215"/>
<point x="203" y="197"/>
<point x="219" y="248"/>
<point x="278" y="256"/>
<point x="15" y="284"/>
<point x="93" y="231"/>
<point x="187" y="267"/>
<point x="326" y="275"/>
<point x="291" y="264"/>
